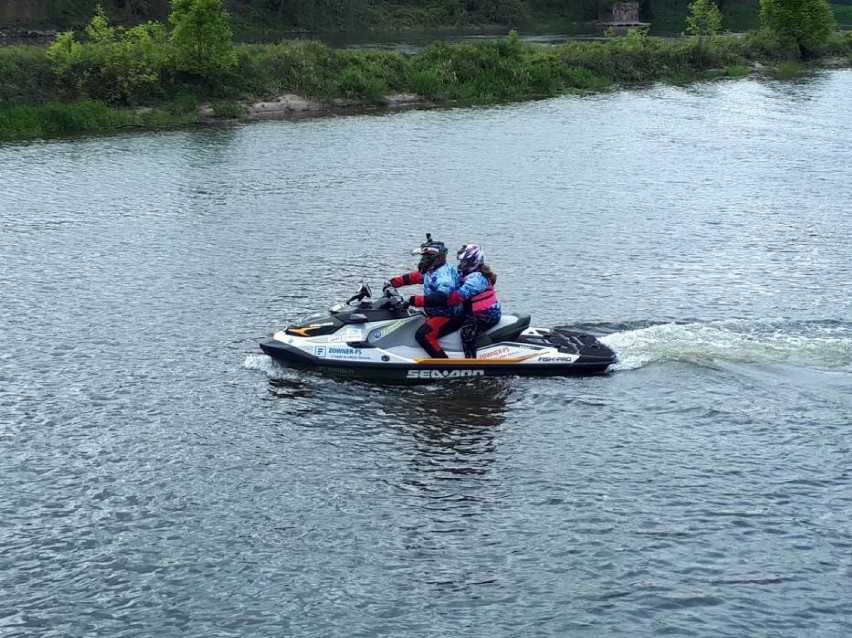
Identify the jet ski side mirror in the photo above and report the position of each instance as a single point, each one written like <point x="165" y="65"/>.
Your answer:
<point x="363" y="292"/>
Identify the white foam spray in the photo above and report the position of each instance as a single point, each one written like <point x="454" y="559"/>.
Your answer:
<point x="262" y="362"/>
<point x="822" y="345"/>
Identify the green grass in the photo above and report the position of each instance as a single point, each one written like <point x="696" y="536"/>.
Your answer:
<point x="736" y="71"/>
<point x="787" y="70"/>
<point x="57" y="118"/>
<point x="227" y="109"/>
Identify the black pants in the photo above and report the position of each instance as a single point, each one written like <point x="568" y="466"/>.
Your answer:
<point x="474" y="325"/>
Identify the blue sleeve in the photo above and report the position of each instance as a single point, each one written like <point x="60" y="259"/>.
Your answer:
<point x="473" y="284"/>
<point x="446" y="280"/>
<point x="438" y="286"/>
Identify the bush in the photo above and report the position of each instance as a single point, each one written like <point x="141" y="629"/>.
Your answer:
<point x="580" y="78"/>
<point x="117" y="65"/>
<point x="356" y="84"/>
<point x="202" y="38"/>
<point x="808" y="24"/>
<point x="841" y="44"/>
<point x="389" y="68"/>
<point x="428" y="84"/>
<point x="704" y="18"/>
<point x="26" y="75"/>
<point x="306" y="68"/>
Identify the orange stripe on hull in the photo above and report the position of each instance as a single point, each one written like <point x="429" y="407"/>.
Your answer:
<point x="475" y="362"/>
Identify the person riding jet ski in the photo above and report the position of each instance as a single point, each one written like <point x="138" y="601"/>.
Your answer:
<point x="439" y="279"/>
<point x="482" y="308"/>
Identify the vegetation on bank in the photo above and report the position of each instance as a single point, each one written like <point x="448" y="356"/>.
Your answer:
<point x="151" y="75"/>
<point x="255" y="17"/>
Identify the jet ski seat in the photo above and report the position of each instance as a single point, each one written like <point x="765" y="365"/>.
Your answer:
<point x="509" y="328"/>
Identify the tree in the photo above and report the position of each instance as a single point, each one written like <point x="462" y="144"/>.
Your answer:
<point x="202" y="37"/>
<point x="704" y="18"/>
<point x="806" y="23"/>
<point x="113" y="64"/>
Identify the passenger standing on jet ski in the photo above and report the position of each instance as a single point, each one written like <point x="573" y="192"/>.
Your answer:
<point x="439" y="279"/>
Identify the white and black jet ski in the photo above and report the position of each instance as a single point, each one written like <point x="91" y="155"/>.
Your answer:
<point x="374" y="340"/>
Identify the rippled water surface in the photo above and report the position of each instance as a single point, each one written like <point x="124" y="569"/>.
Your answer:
<point x="159" y="476"/>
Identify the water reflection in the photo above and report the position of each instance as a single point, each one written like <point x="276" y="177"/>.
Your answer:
<point x="288" y="388"/>
<point x="452" y="428"/>
<point x="447" y="443"/>
<point x="444" y="478"/>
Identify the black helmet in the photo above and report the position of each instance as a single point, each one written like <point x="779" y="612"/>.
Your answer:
<point x="433" y="254"/>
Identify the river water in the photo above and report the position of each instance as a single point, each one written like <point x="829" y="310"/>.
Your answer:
<point x="159" y="476"/>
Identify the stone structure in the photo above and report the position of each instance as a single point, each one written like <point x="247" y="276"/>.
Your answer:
<point x="621" y="14"/>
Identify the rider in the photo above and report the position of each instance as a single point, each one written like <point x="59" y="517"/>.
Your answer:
<point x="439" y="279"/>
<point x="481" y="305"/>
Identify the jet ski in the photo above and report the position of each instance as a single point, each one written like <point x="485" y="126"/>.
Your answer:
<point x="373" y="339"/>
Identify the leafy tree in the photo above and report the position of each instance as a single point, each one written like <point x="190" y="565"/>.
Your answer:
<point x="704" y="18"/>
<point x="114" y="64"/>
<point x="202" y="37"/>
<point x="808" y="24"/>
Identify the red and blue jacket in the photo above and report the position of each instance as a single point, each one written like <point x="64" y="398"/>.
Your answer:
<point x="475" y="295"/>
<point x="438" y="284"/>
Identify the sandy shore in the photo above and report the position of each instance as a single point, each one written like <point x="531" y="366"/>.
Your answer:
<point x="291" y="105"/>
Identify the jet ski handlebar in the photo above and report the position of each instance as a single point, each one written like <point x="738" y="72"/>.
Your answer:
<point x="390" y="299"/>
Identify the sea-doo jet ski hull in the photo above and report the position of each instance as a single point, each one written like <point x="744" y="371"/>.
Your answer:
<point x="374" y="340"/>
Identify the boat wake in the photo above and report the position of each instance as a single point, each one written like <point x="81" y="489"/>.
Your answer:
<point x="820" y="344"/>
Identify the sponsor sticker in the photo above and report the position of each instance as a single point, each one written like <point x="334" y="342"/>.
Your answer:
<point x="344" y="352"/>
<point x="384" y="331"/>
<point x="320" y="351"/>
<point x="502" y="351"/>
<point x="443" y="374"/>
<point x="351" y="335"/>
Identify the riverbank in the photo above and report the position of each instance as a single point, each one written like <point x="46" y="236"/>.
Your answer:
<point x="299" y="78"/>
<point x="291" y="106"/>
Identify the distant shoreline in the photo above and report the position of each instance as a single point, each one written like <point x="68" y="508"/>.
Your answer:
<point x="300" y="79"/>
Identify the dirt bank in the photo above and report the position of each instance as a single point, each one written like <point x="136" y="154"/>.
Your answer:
<point x="291" y="105"/>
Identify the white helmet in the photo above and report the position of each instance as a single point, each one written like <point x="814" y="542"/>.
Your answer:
<point x="470" y="258"/>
